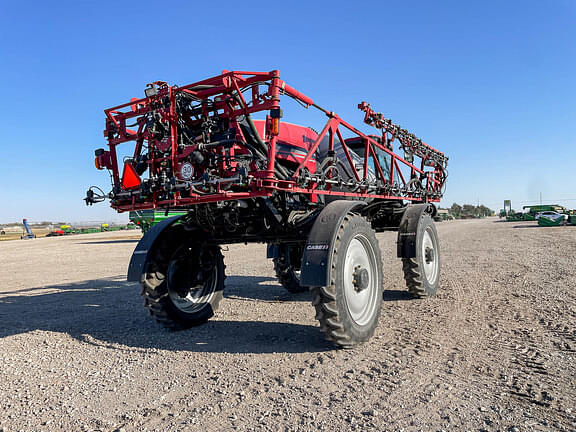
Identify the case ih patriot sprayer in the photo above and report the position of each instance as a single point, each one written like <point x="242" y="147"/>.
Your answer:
<point x="316" y="199"/>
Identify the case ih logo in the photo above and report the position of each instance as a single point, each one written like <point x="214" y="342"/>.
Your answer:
<point x="317" y="247"/>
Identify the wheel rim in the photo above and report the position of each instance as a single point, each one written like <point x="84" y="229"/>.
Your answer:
<point x="199" y="295"/>
<point x="430" y="256"/>
<point x="361" y="300"/>
<point x="297" y="274"/>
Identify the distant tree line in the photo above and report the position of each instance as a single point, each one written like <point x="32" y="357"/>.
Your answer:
<point x="469" y="210"/>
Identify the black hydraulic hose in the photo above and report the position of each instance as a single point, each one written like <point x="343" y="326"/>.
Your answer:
<point x="278" y="168"/>
<point x="263" y="147"/>
<point x="255" y="132"/>
<point x="202" y="87"/>
<point x="228" y="143"/>
<point x="256" y="135"/>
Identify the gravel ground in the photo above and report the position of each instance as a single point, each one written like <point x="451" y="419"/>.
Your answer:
<point x="495" y="350"/>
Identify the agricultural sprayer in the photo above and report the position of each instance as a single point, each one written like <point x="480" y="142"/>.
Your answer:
<point x="315" y="198"/>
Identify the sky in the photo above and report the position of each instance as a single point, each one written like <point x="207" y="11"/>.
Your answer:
<point x="492" y="84"/>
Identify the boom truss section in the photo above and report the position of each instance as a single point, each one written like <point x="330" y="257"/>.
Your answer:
<point x="199" y="144"/>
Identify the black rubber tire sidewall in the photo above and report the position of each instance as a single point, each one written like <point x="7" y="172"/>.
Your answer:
<point x="166" y="312"/>
<point x="426" y="222"/>
<point x="357" y="333"/>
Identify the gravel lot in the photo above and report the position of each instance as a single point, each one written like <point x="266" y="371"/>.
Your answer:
<point x="495" y="350"/>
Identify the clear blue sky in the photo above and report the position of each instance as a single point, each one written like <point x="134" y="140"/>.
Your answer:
<point x="490" y="83"/>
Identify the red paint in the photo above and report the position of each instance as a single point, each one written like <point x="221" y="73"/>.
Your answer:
<point x="232" y="95"/>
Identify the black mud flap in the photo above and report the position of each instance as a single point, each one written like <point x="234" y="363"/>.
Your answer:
<point x="408" y="229"/>
<point x="272" y="251"/>
<point x="140" y="254"/>
<point x="317" y="257"/>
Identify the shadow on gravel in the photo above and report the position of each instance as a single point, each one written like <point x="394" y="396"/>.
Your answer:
<point x="110" y="313"/>
<point x="262" y="289"/>
<point x="395" y="295"/>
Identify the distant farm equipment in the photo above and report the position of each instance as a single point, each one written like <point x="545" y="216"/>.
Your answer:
<point x="28" y="234"/>
<point x="530" y="212"/>
<point x="546" y="215"/>
<point x="64" y="230"/>
<point x="552" y="218"/>
<point x="443" y="215"/>
<point x="146" y="219"/>
<point x="554" y="215"/>
<point x="515" y="217"/>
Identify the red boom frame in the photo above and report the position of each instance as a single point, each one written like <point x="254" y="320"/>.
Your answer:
<point x="423" y="183"/>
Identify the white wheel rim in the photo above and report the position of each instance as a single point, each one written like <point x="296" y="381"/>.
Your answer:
<point x="198" y="297"/>
<point x="430" y="256"/>
<point x="361" y="303"/>
<point x="195" y="300"/>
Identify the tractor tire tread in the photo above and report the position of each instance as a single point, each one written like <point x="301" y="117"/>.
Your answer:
<point x="325" y="299"/>
<point x="414" y="276"/>
<point x="157" y="299"/>
<point x="287" y="278"/>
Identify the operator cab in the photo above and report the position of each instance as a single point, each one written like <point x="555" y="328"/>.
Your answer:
<point x="384" y="159"/>
<point x="357" y="149"/>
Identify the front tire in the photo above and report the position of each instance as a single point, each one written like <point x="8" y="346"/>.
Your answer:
<point x="349" y="308"/>
<point x="422" y="273"/>
<point x="184" y="288"/>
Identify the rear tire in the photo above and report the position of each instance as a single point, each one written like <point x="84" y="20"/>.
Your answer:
<point x="349" y="308"/>
<point x="184" y="288"/>
<point x="422" y="273"/>
<point x="287" y="268"/>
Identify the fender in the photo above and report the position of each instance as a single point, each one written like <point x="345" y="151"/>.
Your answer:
<point x="408" y="228"/>
<point x="140" y="254"/>
<point x="317" y="257"/>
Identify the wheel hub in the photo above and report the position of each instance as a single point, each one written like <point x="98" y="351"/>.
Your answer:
<point x="429" y="255"/>
<point x="429" y="258"/>
<point x="360" y="278"/>
<point x="185" y="277"/>
<point x="192" y="278"/>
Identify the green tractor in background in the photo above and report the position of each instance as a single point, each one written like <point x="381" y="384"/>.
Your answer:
<point x="514" y="216"/>
<point x="146" y="219"/>
<point x="530" y="212"/>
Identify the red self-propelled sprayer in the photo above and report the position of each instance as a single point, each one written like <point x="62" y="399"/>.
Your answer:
<point x="316" y="198"/>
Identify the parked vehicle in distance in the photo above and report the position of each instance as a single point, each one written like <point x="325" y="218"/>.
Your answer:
<point x="551" y="215"/>
<point x="551" y="218"/>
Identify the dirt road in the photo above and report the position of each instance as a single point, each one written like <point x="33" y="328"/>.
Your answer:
<point x="495" y="350"/>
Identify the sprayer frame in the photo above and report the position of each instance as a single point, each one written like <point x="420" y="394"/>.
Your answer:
<point x="261" y="182"/>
